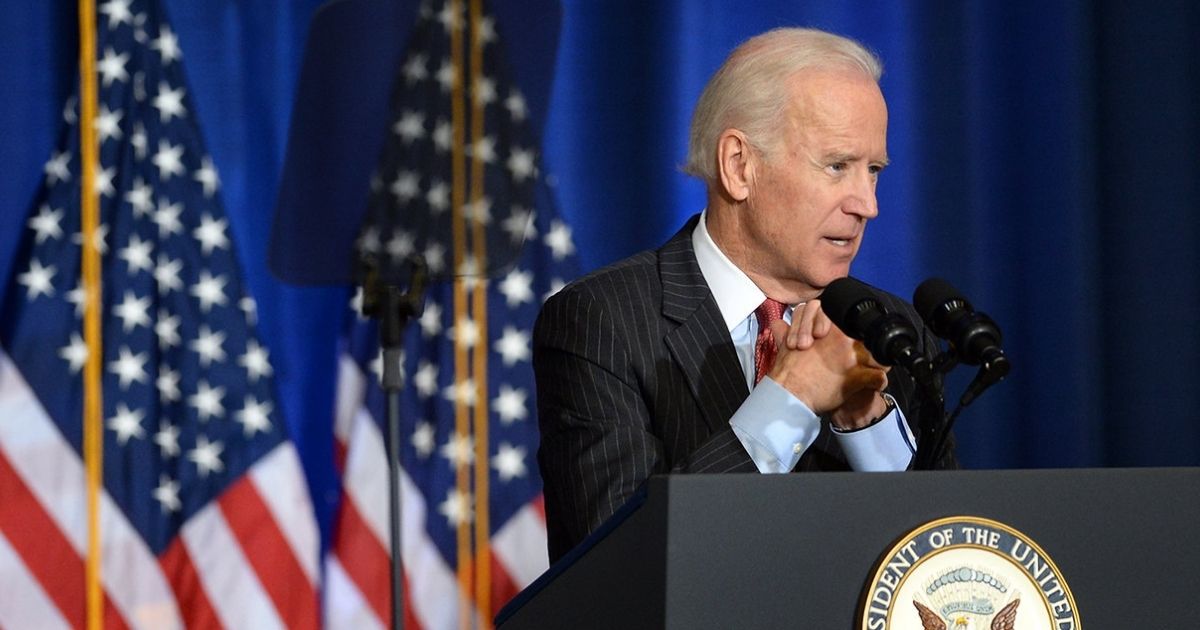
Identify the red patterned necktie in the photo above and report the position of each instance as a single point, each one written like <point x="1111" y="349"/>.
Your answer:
<point x="764" y="345"/>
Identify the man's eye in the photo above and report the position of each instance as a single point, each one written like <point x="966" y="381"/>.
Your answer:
<point x="837" y="167"/>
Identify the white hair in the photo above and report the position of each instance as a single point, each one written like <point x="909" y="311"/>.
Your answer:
<point x="750" y="91"/>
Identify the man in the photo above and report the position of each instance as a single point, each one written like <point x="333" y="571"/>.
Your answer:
<point x="678" y="360"/>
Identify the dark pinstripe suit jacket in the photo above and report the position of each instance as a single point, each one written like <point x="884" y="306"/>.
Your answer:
<point x="637" y="375"/>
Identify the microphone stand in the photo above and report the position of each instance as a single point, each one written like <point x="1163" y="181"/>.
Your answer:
<point x="393" y="308"/>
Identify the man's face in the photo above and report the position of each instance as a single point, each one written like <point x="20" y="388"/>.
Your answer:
<point x="811" y="196"/>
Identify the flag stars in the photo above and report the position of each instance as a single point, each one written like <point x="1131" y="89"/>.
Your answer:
<point x="431" y="319"/>
<point x="207" y="175"/>
<point x="169" y="102"/>
<point x="138" y="141"/>
<point x="520" y="225"/>
<point x="167" y="218"/>
<point x="132" y="312"/>
<point x="479" y="211"/>
<point x="442" y="136"/>
<point x="465" y="332"/>
<point x="167" y="439"/>
<point x="484" y="91"/>
<point x="207" y="401"/>
<point x="462" y="393"/>
<point x="438" y="197"/>
<point x="558" y="239"/>
<point x="250" y="308"/>
<point x="206" y="456"/>
<point x="130" y="368"/>
<point x="141" y="198"/>
<point x="136" y="254"/>
<point x="447" y="76"/>
<point x="37" y="280"/>
<point x="425" y="379"/>
<point x="168" y="159"/>
<point x="167" y="385"/>
<point x="485" y="31"/>
<point x="45" y="224"/>
<point x="166" y="328"/>
<point x="211" y="234"/>
<point x="406" y="186"/>
<point x="369" y="240"/>
<point x="435" y="257"/>
<point x="423" y="439"/>
<point x="513" y="346"/>
<point x="515" y="104"/>
<point x="456" y="508"/>
<point x="167" y="494"/>
<point x="103" y="181"/>
<point x="78" y="297"/>
<point x="57" y="168"/>
<point x="99" y="239"/>
<point x="484" y="150"/>
<point x="449" y="18"/>
<point x="401" y="245"/>
<point x="118" y="12"/>
<point x="410" y="127"/>
<point x="517" y="287"/>
<point x="509" y="462"/>
<point x="107" y="124"/>
<point x="208" y="344"/>
<point x="459" y="450"/>
<point x="127" y="424"/>
<point x="112" y="67"/>
<point x="166" y="274"/>
<point x="510" y="404"/>
<point x="210" y="291"/>
<point x="74" y="353"/>
<point x="254" y="416"/>
<point x="255" y="361"/>
<point x="167" y="45"/>
<point x="520" y="164"/>
<point x="415" y="69"/>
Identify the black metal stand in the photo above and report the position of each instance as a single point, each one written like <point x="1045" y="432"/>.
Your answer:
<point x="393" y="309"/>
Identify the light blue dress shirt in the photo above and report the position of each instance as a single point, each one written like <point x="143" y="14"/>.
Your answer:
<point x="775" y="426"/>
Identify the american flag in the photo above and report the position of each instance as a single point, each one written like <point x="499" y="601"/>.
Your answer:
<point x="468" y="425"/>
<point x="205" y="518"/>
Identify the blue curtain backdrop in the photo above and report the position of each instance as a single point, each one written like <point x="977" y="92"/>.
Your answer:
<point x="1044" y="160"/>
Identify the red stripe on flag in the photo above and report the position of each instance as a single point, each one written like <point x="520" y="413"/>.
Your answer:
<point x="503" y="587"/>
<point x="273" y="559"/>
<point x="195" y="608"/>
<point x="368" y="563"/>
<point x="339" y="455"/>
<point x="42" y="546"/>
<point x="364" y="558"/>
<point x="539" y="506"/>
<point x="45" y="550"/>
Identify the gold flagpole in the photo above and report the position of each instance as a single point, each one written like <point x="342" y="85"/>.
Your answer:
<point x="93" y="436"/>
<point x="483" y="555"/>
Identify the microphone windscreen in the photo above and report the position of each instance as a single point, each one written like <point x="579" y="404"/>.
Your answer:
<point x="840" y="299"/>
<point x="931" y="295"/>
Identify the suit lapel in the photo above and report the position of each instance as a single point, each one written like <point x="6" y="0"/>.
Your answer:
<point x="700" y="345"/>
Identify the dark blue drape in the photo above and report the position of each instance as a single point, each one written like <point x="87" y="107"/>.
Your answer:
<point x="1043" y="161"/>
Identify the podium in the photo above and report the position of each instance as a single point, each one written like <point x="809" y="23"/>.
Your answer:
<point x="800" y="551"/>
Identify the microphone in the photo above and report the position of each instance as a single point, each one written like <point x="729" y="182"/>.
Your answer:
<point x="973" y="335"/>
<point x="890" y="337"/>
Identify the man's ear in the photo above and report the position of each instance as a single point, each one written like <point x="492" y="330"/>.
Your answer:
<point x="735" y="164"/>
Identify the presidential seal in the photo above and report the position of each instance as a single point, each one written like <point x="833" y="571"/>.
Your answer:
<point x="968" y="573"/>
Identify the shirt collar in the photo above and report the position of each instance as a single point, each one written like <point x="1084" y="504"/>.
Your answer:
<point x="736" y="294"/>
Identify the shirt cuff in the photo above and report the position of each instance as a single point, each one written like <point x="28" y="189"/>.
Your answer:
<point x="886" y="445"/>
<point x="775" y="427"/>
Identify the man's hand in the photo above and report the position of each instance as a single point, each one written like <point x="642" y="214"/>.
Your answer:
<point x="827" y="370"/>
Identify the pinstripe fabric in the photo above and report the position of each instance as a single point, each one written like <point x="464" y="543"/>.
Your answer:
<point x="637" y="375"/>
